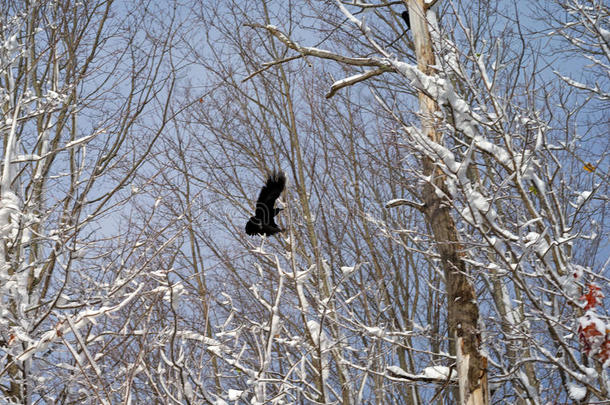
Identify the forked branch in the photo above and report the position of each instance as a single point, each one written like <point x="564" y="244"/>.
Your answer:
<point x="381" y="65"/>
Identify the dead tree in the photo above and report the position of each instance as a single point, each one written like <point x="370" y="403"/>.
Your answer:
<point x="462" y="311"/>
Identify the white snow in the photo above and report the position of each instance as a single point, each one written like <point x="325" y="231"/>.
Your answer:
<point x="582" y="197"/>
<point x="576" y="392"/>
<point x="398" y="371"/>
<point x="234" y="395"/>
<point x="375" y="331"/>
<point x="439" y="372"/>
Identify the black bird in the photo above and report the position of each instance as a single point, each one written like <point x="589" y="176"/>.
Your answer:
<point x="262" y="222"/>
<point x="405" y="16"/>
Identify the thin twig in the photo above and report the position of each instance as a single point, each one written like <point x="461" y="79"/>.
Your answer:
<point x="267" y="65"/>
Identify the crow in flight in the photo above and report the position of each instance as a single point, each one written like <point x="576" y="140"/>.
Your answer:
<point x="262" y="222"/>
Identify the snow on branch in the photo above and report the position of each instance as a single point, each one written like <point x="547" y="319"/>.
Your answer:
<point x="364" y="5"/>
<point x="595" y="89"/>
<point x="434" y="374"/>
<point x="399" y="201"/>
<point x="77" y="321"/>
<point x="366" y="31"/>
<point x="338" y="85"/>
<point x="382" y="65"/>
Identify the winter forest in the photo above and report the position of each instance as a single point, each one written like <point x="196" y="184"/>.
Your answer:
<point x="445" y="231"/>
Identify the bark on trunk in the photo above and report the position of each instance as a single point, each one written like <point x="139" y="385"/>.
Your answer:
<point x="463" y="311"/>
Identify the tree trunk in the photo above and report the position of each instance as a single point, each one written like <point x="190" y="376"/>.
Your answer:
<point x="463" y="311"/>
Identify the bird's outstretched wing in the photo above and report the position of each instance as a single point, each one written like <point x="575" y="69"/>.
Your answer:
<point x="262" y="222"/>
<point x="271" y="190"/>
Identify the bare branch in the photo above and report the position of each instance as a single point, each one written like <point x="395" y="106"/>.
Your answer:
<point x="324" y="54"/>
<point x="267" y="65"/>
<point x="399" y="201"/>
<point x="353" y="80"/>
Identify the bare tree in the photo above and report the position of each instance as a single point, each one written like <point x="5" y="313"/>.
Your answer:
<point x="490" y="170"/>
<point x="444" y="209"/>
<point x="85" y="89"/>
